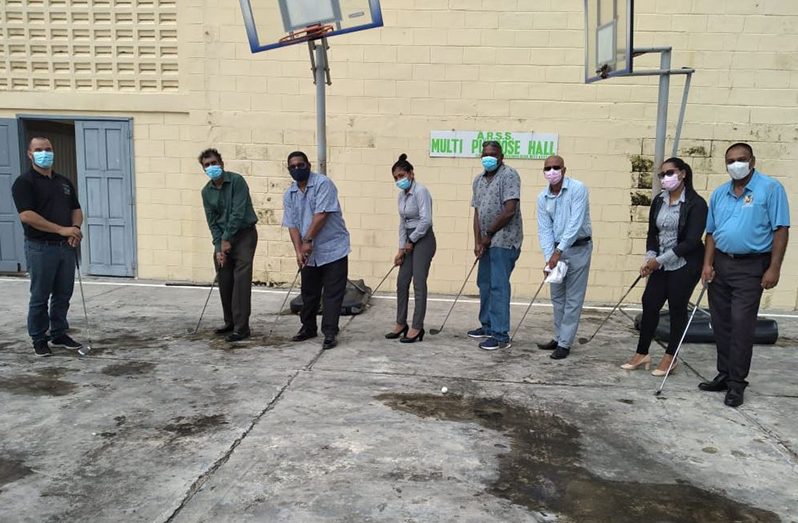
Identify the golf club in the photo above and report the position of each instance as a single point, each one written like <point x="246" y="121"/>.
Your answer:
<point x="277" y="315"/>
<point x="437" y="331"/>
<point x="85" y="349"/>
<point x="678" y="347"/>
<point x="535" y="297"/>
<point x="382" y="281"/>
<point x="196" y="329"/>
<point x="582" y="341"/>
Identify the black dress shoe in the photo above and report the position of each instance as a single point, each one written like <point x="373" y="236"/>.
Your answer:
<point x="238" y="336"/>
<point x="394" y="335"/>
<point x="734" y="397"/>
<point x="329" y="343"/>
<point x="717" y="384"/>
<point x="224" y="329"/>
<point x="547" y="346"/>
<point x="560" y="353"/>
<point x="303" y="335"/>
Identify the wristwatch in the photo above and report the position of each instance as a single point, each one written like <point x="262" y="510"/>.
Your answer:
<point x="558" y="251"/>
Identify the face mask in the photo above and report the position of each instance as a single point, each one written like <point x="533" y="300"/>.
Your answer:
<point x="490" y="163"/>
<point x="43" y="159"/>
<point x="670" y="183"/>
<point x="301" y="174"/>
<point x="553" y="176"/>
<point x="213" y="171"/>
<point x="404" y="183"/>
<point x="738" y="170"/>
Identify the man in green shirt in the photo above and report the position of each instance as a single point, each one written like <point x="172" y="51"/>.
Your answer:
<point x="231" y="219"/>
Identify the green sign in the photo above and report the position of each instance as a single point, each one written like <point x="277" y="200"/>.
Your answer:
<point x="468" y="144"/>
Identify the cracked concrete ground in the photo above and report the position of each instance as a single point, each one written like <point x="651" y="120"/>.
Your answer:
<point x="160" y="425"/>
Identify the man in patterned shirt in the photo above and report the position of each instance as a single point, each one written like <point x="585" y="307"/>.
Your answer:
<point x="498" y="234"/>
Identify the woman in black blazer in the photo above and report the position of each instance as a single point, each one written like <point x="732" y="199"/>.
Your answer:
<point x="674" y="257"/>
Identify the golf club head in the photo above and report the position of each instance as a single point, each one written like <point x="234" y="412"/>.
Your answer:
<point x="435" y="331"/>
<point x="85" y="350"/>
<point x="582" y="341"/>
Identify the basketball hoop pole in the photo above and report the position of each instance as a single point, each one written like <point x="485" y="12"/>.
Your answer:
<point x="321" y="77"/>
<point x="664" y="74"/>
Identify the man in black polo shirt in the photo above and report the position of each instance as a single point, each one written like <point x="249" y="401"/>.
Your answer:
<point x="50" y="214"/>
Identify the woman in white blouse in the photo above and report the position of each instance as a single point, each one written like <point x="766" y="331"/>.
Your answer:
<point x="416" y="249"/>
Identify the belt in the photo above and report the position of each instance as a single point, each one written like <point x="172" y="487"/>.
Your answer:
<point x="581" y="241"/>
<point x="48" y="242"/>
<point x="749" y="255"/>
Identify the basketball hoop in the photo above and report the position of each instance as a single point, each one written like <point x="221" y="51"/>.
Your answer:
<point x="311" y="32"/>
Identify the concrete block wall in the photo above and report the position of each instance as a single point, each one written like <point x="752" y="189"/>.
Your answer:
<point x="449" y="64"/>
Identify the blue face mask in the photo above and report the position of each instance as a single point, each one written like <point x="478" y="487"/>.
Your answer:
<point x="214" y="171"/>
<point x="43" y="159"/>
<point x="490" y="163"/>
<point x="404" y="183"/>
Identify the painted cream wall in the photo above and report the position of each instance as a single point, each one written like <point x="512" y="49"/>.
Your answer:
<point x="447" y="64"/>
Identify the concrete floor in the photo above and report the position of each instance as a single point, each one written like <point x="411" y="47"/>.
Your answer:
<point x="160" y="425"/>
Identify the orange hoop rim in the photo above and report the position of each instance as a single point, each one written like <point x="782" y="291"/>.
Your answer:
<point x="311" y="32"/>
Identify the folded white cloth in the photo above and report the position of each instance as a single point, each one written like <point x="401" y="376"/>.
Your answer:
<point x="557" y="274"/>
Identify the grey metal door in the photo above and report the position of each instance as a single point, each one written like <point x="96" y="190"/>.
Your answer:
<point x="12" y="243"/>
<point x="105" y="190"/>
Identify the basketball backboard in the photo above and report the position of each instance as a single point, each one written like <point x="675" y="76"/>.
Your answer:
<point x="608" y="38"/>
<point x="277" y="23"/>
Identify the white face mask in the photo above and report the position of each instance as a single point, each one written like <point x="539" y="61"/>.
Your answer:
<point x="738" y="170"/>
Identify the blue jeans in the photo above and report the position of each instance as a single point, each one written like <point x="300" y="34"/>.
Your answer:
<point x="493" y="280"/>
<point x="52" y="276"/>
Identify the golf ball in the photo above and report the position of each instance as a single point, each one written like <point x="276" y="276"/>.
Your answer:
<point x="444" y="390"/>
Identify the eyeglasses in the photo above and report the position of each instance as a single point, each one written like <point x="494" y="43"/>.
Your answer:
<point x="550" y="167"/>
<point x="669" y="172"/>
<point x="297" y="166"/>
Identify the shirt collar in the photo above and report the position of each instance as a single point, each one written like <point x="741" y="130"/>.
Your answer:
<point x="682" y="197"/>
<point x="225" y="179"/>
<point x="749" y="187"/>
<point x="565" y="183"/>
<point x="311" y="182"/>
<point x="499" y="170"/>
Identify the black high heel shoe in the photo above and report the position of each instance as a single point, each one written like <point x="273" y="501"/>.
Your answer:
<point x="417" y="337"/>
<point x="400" y="334"/>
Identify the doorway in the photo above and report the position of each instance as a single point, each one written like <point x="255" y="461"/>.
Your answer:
<point x="97" y="156"/>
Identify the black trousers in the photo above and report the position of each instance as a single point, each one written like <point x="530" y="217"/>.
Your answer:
<point x="734" y="296"/>
<point x="329" y="279"/>
<point x="235" y="280"/>
<point x="676" y="287"/>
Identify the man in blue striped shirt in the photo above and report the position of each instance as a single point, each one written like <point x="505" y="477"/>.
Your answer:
<point x="564" y="232"/>
<point x="313" y="216"/>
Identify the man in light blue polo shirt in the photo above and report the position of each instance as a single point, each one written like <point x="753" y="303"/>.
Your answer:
<point x="564" y="232"/>
<point x="312" y="214"/>
<point x="747" y="233"/>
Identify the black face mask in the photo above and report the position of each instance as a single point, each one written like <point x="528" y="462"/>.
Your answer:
<point x="300" y="174"/>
